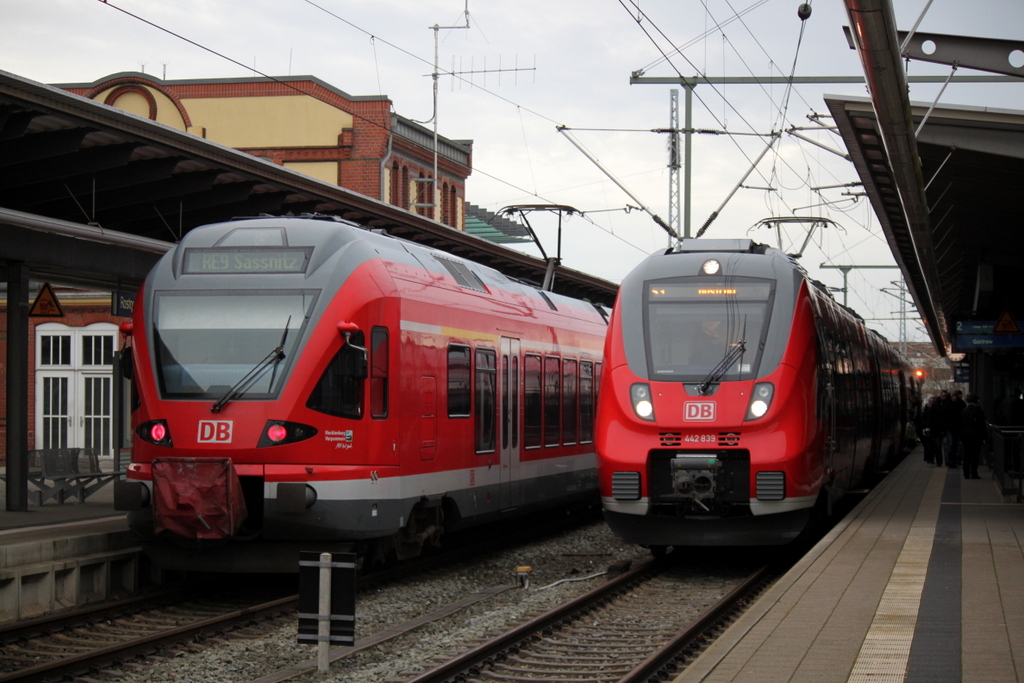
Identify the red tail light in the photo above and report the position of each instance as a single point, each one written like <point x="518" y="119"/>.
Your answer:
<point x="155" y="432"/>
<point x="279" y="433"/>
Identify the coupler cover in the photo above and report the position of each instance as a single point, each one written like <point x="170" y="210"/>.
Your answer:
<point x="197" y="498"/>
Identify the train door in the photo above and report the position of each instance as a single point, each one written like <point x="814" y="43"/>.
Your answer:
<point x="508" y="439"/>
<point x="428" y="418"/>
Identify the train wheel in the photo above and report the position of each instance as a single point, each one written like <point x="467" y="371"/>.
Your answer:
<point x="425" y="525"/>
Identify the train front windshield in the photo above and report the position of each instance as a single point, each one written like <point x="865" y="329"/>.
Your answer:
<point x="206" y="343"/>
<point x="693" y="324"/>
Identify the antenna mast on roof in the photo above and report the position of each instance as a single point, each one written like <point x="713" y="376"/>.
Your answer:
<point x="435" y="75"/>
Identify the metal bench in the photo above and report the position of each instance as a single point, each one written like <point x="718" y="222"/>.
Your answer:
<point x="66" y="472"/>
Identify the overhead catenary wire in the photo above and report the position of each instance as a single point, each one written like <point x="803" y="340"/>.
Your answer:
<point x="290" y="86"/>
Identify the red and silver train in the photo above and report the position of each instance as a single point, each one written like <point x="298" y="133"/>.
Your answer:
<point x="738" y="397"/>
<point x="303" y="383"/>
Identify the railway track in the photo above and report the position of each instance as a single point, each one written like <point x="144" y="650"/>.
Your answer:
<point x="92" y="640"/>
<point x="632" y="628"/>
<point x="77" y="644"/>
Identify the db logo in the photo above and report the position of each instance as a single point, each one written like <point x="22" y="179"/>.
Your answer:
<point x="215" y="431"/>
<point x="699" y="411"/>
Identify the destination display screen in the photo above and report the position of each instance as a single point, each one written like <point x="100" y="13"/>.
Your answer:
<point x="696" y="291"/>
<point x="246" y="260"/>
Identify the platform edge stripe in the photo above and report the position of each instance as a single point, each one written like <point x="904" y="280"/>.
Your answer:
<point x="885" y="651"/>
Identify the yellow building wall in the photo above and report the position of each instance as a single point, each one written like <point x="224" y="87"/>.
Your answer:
<point x="134" y="103"/>
<point x="268" y="121"/>
<point x="326" y="171"/>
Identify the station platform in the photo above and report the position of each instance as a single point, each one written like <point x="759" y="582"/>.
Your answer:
<point x="97" y="506"/>
<point x="59" y="556"/>
<point x="922" y="581"/>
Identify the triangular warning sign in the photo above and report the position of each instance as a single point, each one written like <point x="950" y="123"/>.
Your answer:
<point x="46" y="304"/>
<point x="1006" y="325"/>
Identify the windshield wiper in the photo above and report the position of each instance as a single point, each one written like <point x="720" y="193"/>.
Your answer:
<point x="723" y="366"/>
<point x="242" y="385"/>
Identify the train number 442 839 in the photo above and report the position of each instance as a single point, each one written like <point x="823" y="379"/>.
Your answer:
<point x="700" y="438"/>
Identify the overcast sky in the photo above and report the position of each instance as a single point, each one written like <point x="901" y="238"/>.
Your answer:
<point x="575" y="59"/>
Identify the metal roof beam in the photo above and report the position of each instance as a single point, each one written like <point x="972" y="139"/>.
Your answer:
<point x="41" y="146"/>
<point x="874" y="32"/>
<point x="984" y="54"/>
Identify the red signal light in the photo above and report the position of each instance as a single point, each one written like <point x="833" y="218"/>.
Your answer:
<point x="919" y="373"/>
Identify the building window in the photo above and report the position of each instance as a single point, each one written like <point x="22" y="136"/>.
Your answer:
<point x="55" y="349"/>
<point x="453" y="208"/>
<point x="395" y="186"/>
<point x="97" y="349"/>
<point x="405" y="189"/>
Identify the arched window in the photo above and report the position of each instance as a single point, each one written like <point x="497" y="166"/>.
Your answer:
<point x="405" y="188"/>
<point x="396" y="185"/>
<point x="446" y="209"/>
<point x="453" y="207"/>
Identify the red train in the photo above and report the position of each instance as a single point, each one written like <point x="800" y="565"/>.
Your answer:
<point x="304" y="383"/>
<point x="738" y="397"/>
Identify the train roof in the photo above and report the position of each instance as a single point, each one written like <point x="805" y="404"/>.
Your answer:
<point x="330" y="233"/>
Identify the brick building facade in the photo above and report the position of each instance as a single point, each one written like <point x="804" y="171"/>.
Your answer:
<point x="307" y="125"/>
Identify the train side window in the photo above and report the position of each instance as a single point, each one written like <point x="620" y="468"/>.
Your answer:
<point x="515" y="401"/>
<point x="506" y="403"/>
<point x="586" y="401"/>
<point x="379" y="351"/>
<point x="570" y="418"/>
<point x="339" y="391"/>
<point x="552" y="405"/>
<point x="533" y="403"/>
<point x="458" y="380"/>
<point x="486" y="405"/>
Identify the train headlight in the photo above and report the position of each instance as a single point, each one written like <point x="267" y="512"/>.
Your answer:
<point x="711" y="267"/>
<point x="640" y="394"/>
<point x="760" y="400"/>
<point x="279" y="433"/>
<point x="155" y="432"/>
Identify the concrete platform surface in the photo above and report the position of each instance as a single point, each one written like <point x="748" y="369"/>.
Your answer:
<point x="922" y="581"/>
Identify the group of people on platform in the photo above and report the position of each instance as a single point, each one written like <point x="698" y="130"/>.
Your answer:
<point x="952" y="431"/>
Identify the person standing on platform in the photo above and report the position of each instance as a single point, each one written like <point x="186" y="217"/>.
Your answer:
<point x="940" y="427"/>
<point x="972" y="433"/>
<point x="957" y="402"/>
<point x="929" y="438"/>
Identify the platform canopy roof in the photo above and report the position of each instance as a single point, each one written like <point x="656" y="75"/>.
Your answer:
<point x="946" y="193"/>
<point x="91" y="195"/>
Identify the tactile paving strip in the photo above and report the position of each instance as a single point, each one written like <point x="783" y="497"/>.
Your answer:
<point x="886" y="648"/>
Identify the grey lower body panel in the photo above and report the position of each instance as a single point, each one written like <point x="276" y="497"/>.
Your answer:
<point x="337" y="525"/>
<point x="664" y="530"/>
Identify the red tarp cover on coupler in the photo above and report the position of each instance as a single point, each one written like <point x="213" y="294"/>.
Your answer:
<point x="197" y="497"/>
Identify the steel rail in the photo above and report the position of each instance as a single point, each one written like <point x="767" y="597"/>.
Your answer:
<point x="675" y="648"/>
<point x="510" y="640"/>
